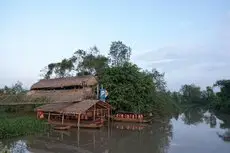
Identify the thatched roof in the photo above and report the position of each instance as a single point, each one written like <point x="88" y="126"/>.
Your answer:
<point x="68" y="108"/>
<point x="63" y="95"/>
<point x="80" y="107"/>
<point x="53" y="107"/>
<point x="65" y="82"/>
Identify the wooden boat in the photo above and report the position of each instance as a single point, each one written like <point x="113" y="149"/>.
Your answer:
<point x="61" y="127"/>
<point x="119" y="119"/>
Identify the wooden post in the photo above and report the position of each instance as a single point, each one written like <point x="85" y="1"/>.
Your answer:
<point x="94" y="112"/>
<point x="49" y="117"/>
<point x="108" y="113"/>
<point x="102" y="113"/>
<point x="62" y="121"/>
<point x="78" y="121"/>
<point x="98" y="91"/>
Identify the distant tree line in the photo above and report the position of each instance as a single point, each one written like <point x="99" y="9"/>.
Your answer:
<point x="193" y="96"/>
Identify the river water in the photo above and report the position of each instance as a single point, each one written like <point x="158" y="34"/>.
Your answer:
<point x="191" y="132"/>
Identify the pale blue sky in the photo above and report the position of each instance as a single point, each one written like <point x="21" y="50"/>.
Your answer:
<point x="186" y="39"/>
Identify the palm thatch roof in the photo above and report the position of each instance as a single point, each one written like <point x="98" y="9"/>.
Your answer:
<point x="65" y="82"/>
<point x="80" y="107"/>
<point x="63" y="95"/>
<point x="69" y="108"/>
<point x="53" y="107"/>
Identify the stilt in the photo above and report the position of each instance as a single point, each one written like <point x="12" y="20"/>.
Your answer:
<point x="94" y="113"/>
<point x="49" y="117"/>
<point x="62" y="121"/>
<point x="78" y="121"/>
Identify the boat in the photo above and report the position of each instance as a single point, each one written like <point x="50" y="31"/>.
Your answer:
<point x="61" y="127"/>
<point x="130" y="117"/>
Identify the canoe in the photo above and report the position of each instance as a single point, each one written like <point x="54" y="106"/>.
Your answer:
<point x="119" y="119"/>
<point x="61" y="127"/>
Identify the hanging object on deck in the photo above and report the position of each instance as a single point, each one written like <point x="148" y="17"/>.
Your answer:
<point x="103" y="94"/>
<point x="40" y="115"/>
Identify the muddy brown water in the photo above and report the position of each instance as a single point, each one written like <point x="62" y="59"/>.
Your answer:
<point x="192" y="132"/>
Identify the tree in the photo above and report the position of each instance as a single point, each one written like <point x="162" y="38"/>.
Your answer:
<point x="223" y="104"/>
<point x="190" y="94"/>
<point x="81" y="63"/>
<point x="119" y="53"/>
<point x="129" y="88"/>
<point x="159" y="80"/>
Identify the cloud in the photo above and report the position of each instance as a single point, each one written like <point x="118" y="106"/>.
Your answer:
<point x="201" y="64"/>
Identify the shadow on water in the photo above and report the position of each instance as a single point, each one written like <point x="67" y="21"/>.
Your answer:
<point x="195" y="130"/>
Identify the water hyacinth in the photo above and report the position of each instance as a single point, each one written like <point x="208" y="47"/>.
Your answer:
<point x="20" y="126"/>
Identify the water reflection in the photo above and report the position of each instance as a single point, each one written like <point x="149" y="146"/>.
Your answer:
<point x="193" y="116"/>
<point x="194" y="131"/>
<point x="152" y="138"/>
<point x="197" y="116"/>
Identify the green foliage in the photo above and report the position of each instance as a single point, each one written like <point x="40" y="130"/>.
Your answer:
<point x="81" y="63"/>
<point x="20" y="126"/>
<point x="119" y="53"/>
<point x="15" y="89"/>
<point x="129" y="89"/>
<point x="191" y="96"/>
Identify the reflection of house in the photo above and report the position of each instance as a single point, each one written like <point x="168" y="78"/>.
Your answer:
<point x="69" y="89"/>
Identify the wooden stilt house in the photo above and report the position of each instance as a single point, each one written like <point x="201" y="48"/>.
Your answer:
<point x="73" y="102"/>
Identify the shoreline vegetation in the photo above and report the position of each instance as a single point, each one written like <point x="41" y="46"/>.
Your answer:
<point x="15" y="126"/>
<point x="130" y="88"/>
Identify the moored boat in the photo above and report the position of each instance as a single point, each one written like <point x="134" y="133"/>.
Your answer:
<point x="130" y="117"/>
<point x="61" y="127"/>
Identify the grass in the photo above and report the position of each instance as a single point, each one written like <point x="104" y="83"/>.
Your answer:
<point x="20" y="126"/>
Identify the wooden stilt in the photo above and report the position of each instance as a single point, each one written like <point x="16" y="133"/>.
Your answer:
<point x="49" y="117"/>
<point x="102" y="113"/>
<point x="78" y="121"/>
<point x="62" y="121"/>
<point x="94" y="112"/>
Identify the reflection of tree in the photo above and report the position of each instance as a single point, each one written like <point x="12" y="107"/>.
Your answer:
<point x="193" y="115"/>
<point x="211" y="120"/>
<point x="225" y="118"/>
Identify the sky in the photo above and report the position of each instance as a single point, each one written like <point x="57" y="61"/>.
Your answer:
<point x="188" y="40"/>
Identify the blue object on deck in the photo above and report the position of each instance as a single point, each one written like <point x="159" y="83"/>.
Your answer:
<point x="103" y="95"/>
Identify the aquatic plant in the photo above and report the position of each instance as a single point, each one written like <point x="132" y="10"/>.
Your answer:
<point x="20" y="126"/>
